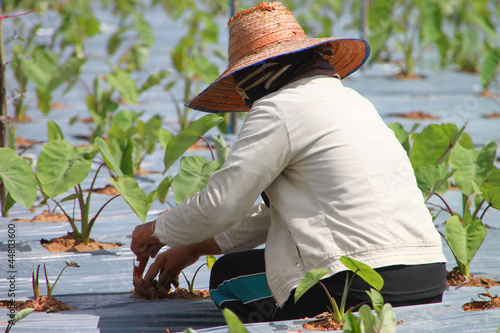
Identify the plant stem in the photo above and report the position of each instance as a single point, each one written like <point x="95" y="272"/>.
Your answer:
<point x="477" y="209"/>
<point x="92" y="221"/>
<point x="484" y="212"/>
<point x="337" y="316"/>
<point x="445" y="203"/>
<point x="209" y="146"/>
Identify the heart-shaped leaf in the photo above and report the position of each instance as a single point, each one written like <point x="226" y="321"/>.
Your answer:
<point x="18" y="177"/>
<point x="472" y="165"/>
<point x="192" y="177"/>
<point x="433" y="179"/>
<point x="61" y="167"/>
<point x="133" y="195"/>
<point x="464" y="242"/>
<point x="364" y="271"/>
<point x="309" y="280"/>
<point x="433" y="144"/>
<point x="188" y="137"/>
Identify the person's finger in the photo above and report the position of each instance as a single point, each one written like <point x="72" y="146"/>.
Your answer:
<point x="152" y="271"/>
<point x="155" y="249"/>
<point x="165" y="279"/>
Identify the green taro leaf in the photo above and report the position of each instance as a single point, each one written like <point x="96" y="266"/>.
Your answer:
<point x="54" y="131"/>
<point x="18" y="177"/>
<point x="364" y="271"/>
<point x="464" y="242"/>
<point x="61" y="167"/>
<point x="433" y="144"/>
<point x="124" y="84"/>
<point x="65" y="72"/>
<point x="309" y="280"/>
<point x="22" y="314"/>
<point x="234" y="324"/>
<point x="132" y="194"/>
<point x="385" y="321"/>
<point x="188" y="137"/>
<point x="164" y="188"/>
<point x="490" y="66"/>
<point x="108" y="157"/>
<point x="193" y="177"/>
<point x="433" y="179"/>
<point x="376" y="298"/>
<point x="211" y="261"/>
<point x="472" y="165"/>
<point x="491" y="189"/>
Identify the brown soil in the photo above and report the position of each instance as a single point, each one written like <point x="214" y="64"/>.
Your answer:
<point x="404" y="76"/>
<point x="492" y="115"/>
<point x="454" y="278"/>
<point x="25" y="143"/>
<point x="59" y="105"/>
<point x="108" y="190"/>
<point x="68" y="243"/>
<point x="178" y="293"/>
<point x="199" y="145"/>
<point x="25" y="119"/>
<point x="482" y="305"/>
<point x="45" y="216"/>
<point x="42" y="304"/>
<point x="415" y="115"/>
<point x="488" y="94"/>
<point x="325" y="323"/>
<point x="88" y="120"/>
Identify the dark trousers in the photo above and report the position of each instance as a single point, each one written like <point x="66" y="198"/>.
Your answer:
<point x="403" y="285"/>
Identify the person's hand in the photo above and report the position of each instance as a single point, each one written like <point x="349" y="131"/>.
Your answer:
<point x="169" y="265"/>
<point x="144" y="242"/>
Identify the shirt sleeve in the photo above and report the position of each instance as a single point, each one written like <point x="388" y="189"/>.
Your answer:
<point x="248" y="233"/>
<point x="259" y="155"/>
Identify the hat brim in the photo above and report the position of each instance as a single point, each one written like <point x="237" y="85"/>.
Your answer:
<point x="349" y="54"/>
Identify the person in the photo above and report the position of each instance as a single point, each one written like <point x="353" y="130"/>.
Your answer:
<point x="334" y="180"/>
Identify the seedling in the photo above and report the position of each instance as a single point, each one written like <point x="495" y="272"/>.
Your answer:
<point x="50" y="288"/>
<point x="313" y="277"/>
<point x="210" y="262"/>
<point x="34" y="282"/>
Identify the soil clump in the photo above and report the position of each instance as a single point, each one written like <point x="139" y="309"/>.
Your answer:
<point x="42" y="304"/>
<point x="178" y="293"/>
<point x="45" y="216"/>
<point x="325" y="322"/>
<point x="454" y="278"/>
<point x="68" y="243"/>
<point x="417" y="115"/>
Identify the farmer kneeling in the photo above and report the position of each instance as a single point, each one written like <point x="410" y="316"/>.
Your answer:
<point x="334" y="179"/>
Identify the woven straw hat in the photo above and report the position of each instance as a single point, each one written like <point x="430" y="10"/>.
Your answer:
<point x="264" y="32"/>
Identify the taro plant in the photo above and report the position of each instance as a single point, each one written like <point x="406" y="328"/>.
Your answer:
<point x="442" y="154"/>
<point x="384" y="320"/>
<point x="50" y="288"/>
<point x="338" y="311"/>
<point x="210" y="261"/>
<point x="191" y="55"/>
<point x="409" y="26"/>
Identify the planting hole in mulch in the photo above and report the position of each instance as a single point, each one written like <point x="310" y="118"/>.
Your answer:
<point x="418" y="115"/>
<point x="454" y="278"/>
<point x="42" y="304"/>
<point x="492" y="115"/>
<point x="482" y="305"/>
<point x="107" y="190"/>
<point x="68" y="243"/>
<point x="325" y="322"/>
<point x="45" y="216"/>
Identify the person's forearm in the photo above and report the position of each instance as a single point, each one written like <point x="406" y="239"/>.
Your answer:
<point x="206" y="247"/>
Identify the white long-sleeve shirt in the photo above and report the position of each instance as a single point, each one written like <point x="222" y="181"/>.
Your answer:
<point x="338" y="181"/>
